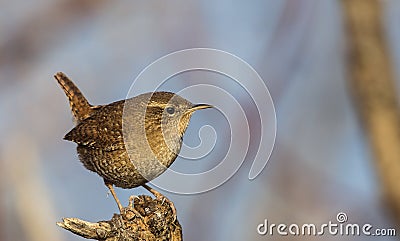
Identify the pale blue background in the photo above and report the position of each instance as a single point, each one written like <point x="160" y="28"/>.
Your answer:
<point x="321" y="163"/>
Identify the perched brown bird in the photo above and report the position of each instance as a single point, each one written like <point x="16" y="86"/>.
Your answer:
<point x="128" y="150"/>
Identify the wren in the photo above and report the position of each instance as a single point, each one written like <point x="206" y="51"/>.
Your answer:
<point x="128" y="150"/>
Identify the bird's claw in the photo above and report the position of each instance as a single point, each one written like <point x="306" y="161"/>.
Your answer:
<point x="163" y="199"/>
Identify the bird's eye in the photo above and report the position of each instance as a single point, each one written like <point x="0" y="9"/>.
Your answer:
<point x="170" y="110"/>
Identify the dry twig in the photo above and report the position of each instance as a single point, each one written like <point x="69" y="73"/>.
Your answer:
<point x="146" y="219"/>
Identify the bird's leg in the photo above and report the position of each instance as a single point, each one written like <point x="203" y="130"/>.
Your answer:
<point x="111" y="188"/>
<point x="163" y="198"/>
<point x="120" y="207"/>
<point x="130" y="205"/>
<point x="131" y="201"/>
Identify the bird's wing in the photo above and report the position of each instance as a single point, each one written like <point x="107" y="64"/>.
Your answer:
<point x="102" y="130"/>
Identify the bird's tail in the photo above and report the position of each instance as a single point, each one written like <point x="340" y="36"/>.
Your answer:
<point x="80" y="107"/>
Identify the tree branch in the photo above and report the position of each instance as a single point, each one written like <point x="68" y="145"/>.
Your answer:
<point x="373" y="85"/>
<point x="145" y="219"/>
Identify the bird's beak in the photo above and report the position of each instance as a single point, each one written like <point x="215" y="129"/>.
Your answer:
<point x="199" y="107"/>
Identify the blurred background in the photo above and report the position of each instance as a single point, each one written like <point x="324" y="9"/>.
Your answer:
<point x="322" y="162"/>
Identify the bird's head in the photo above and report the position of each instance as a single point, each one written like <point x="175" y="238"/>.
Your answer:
<point x="171" y="112"/>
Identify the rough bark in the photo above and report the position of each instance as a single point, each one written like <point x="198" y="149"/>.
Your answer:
<point x="145" y="219"/>
<point x="373" y="85"/>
